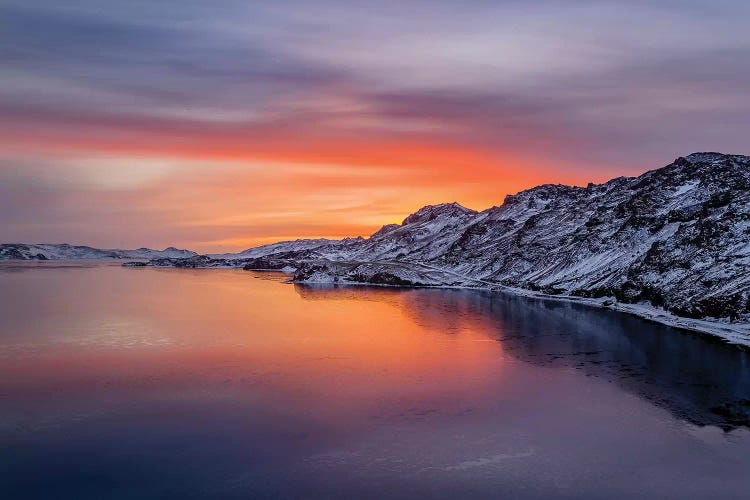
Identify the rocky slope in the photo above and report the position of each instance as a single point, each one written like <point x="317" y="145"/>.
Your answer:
<point x="22" y="251"/>
<point x="676" y="238"/>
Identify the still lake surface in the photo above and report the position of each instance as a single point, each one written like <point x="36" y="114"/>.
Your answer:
<point x="149" y="383"/>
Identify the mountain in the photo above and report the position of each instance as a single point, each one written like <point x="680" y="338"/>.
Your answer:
<point x="675" y="239"/>
<point x="283" y="246"/>
<point x="44" y="251"/>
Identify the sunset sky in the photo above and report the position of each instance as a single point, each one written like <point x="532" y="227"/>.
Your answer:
<point x="217" y="126"/>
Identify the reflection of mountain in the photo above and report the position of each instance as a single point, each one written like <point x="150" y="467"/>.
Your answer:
<point x="699" y="380"/>
<point x="314" y="291"/>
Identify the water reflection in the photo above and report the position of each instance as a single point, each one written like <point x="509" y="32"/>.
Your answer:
<point x="701" y="380"/>
<point x="165" y="383"/>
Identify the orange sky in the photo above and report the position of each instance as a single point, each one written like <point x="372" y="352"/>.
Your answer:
<point x="228" y="194"/>
<point x="216" y="127"/>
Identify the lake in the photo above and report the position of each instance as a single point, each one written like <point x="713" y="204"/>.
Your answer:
<point x="165" y="383"/>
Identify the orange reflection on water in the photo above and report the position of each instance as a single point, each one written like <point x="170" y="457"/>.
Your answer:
<point x="230" y="332"/>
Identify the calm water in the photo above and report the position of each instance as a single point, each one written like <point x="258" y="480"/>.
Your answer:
<point x="145" y="383"/>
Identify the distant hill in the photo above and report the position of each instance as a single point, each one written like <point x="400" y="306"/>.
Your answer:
<point x="44" y="251"/>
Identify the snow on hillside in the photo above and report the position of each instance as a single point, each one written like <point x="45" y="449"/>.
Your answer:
<point x="44" y="251"/>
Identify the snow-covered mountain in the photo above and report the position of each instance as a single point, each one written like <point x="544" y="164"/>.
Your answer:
<point x="677" y="238"/>
<point x="274" y="248"/>
<point x="44" y="251"/>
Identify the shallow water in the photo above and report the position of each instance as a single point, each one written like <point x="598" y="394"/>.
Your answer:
<point x="148" y="383"/>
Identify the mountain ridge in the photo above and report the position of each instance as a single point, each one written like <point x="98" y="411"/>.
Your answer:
<point x="65" y="251"/>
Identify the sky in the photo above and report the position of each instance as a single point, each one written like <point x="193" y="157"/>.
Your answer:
<point x="217" y="126"/>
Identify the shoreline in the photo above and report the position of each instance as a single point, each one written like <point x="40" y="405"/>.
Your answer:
<point x="732" y="334"/>
<point x="737" y="335"/>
